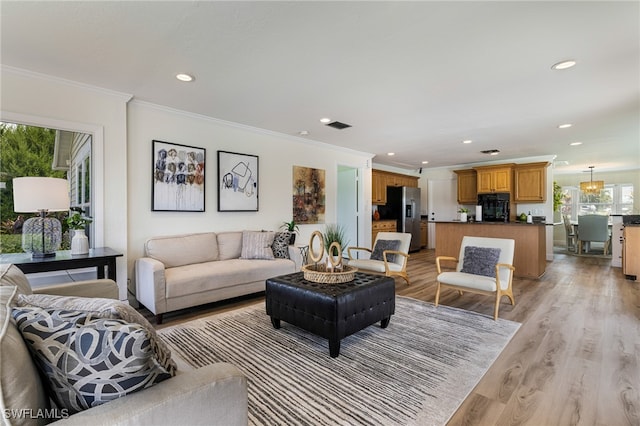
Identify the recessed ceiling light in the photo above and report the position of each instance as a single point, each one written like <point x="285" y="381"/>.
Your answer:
<point x="565" y="126"/>
<point x="467" y="141"/>
<point x="564" y="65"/>
<point x="185" y="77"/>
<point x="575" y="143"/>
<point x="425" y="162"/>
<point x="303" y="133"/>
<point x="391" y="153"/>
<point x="325" y="120"/>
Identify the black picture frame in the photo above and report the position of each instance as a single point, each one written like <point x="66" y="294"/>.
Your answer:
<point x="237" y="182"/>
<point x="178" y="178"/>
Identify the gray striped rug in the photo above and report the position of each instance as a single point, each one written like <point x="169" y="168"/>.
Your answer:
<point x="415" y="372"/>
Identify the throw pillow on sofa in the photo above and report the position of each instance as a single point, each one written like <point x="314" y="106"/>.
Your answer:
<point x="280" y="245"/>
<point x="87" y="360"/>
<point x="103" y="308"/>
<point x="257" y="245"/>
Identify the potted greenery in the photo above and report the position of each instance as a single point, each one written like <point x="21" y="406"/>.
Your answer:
<point x="463" y="213"/>
<point x="334" y="233"/>
<point x="77" y="223"/>
<point x="291" y="227"/>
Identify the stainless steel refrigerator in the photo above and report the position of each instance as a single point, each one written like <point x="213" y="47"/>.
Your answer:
<point x="404" y="203"/>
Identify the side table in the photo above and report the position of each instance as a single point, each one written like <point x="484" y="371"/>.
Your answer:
<point x="100" y="258"/>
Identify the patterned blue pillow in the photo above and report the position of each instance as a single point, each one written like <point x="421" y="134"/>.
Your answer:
<point x="86" y="360"/>
<point x="383" y="245"/>
<point x="480" y="261"/>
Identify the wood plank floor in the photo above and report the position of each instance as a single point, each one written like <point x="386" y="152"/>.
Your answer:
<point x="574" y="361"/>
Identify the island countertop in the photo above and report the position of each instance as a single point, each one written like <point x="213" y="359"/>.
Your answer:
<point x="529" y="258"/>
<point x="490" y="223"/>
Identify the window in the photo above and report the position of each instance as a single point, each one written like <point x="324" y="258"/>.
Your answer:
<point x="613" y="199"/>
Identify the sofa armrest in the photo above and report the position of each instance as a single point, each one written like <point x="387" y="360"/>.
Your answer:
<point x="212" y="395"/>
<point x="104" y="288"/>
<point x="151" y="284"/>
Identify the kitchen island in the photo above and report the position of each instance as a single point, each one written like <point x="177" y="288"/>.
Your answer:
<point x="529" y="257"/>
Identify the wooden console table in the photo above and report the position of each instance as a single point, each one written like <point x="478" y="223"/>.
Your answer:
<point x="99" y="258"/>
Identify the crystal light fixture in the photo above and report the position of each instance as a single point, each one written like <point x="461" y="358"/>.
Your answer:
<point x="41" y="236"/>
<point x="593" y="186"/>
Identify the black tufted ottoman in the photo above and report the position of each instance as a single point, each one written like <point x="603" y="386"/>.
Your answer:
<point x="333" y="311"/>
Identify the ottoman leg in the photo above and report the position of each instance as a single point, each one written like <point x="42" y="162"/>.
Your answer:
<point x="275" y="322"/>
<point x="385" y="322"/>
<point x="334" y="347"/>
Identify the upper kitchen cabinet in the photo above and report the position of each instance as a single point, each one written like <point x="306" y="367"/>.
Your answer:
<point x="494" y="178"/>
<point x="378" y="188"/>
<point x="530" y="182"/>
<point x="381" y="179"/>
<point x="467" y="186"/>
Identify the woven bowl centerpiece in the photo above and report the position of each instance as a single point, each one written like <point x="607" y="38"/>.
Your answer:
<point x="331" y="272"/>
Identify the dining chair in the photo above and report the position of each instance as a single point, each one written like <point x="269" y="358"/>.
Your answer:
<point x="484" y="266"/>
<point x="593" y="228"/>
<point x="571" y="235"/>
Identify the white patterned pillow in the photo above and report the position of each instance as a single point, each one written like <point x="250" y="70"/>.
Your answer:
<point x="280" y="245"/>
<point x="87" y="360"/>
<point x="257" y="245"/>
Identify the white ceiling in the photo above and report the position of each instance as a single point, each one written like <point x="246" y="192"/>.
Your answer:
<point x="415" y="78"/>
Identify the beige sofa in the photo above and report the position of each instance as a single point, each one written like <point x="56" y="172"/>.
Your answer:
<point x="212" y="395"/>
<point x="181" y="271"/>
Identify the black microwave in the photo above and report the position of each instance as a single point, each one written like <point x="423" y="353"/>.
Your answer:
<point x="495" y="207"/>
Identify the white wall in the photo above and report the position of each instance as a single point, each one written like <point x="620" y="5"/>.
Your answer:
<point x="277" y="154"/>
<point x="35" y="99"/>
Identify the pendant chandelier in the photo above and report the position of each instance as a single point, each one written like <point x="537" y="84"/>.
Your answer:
<point x="593" y="186"/>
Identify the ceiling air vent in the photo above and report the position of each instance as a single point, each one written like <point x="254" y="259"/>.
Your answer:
<point x="490" y="151"/>
<point x="338" y="125"/>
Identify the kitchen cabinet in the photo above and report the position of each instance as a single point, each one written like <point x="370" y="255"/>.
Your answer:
<point x="423" y="233"/>
<point x="467" y="186"/>
<point x="631" y="252"/>
<point x="381" y="226"/>
<point x="494" y="178"/>
<point x="378" y="188"/>
<point x="530" y="182"/>
<point x="381" y="179"/>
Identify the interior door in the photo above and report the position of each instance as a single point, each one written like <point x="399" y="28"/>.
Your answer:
<point x="348" y="202"/>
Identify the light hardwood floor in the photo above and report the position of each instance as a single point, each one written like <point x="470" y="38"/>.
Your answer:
<point x="574" y="361"/>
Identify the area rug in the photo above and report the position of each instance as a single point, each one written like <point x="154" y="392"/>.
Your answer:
<point x="415" y="372"/>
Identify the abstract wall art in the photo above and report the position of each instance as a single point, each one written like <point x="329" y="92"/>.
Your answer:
<point x="178" y="177"/>
<point x="237" y="182"/>
<point x="308" y="195"/>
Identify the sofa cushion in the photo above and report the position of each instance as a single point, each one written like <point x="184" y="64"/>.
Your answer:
<point x="87" y="360"/>
<point x="383" y="245"/>
<point x="257" y="245"/>
<point x="480" y="260"/>
<point x="11" y="275"/>
<point x="20" y="385"/>
<point x="280" y="246"/>
<point x="229" y="245"/>
<point x="179" y="250"/>
<point x="192" y="279"/>
<point x="103" y="308"/>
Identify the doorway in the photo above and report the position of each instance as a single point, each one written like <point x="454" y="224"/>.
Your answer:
<point x="348" y="202"/>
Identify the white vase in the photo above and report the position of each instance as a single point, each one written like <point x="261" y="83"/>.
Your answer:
<point x="463" y="217"/>
<point x="79" y="242"/>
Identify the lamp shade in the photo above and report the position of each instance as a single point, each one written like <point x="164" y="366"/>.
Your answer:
<point x="34" y="194"/>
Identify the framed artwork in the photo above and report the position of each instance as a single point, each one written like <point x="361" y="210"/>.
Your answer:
<point x="237" y="182"/>
<point x="308" y="195"/>
<point x="178" y="177"/>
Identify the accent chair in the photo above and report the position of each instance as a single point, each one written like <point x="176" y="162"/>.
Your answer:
<point x="388" y="257"/>
<point x="484" y="266"/>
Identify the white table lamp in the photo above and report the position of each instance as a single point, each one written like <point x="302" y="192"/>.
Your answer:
<point x="41" y="236"/>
